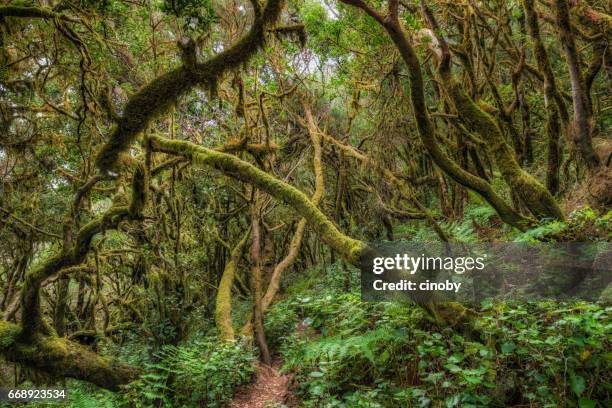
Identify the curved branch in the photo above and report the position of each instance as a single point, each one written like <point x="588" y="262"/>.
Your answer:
<point x="232" y="166"/>
<point x="62" y="357"/>
<point x="32" y="322"/>
<point x="163" y="92"/>
<point x="33" y="12"/>
<point x="428" y="136"/>
<point x="223" y="301"/>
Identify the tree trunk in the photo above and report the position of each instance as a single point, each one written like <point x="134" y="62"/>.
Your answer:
<point x="223" y="301"/>
<point x="256" y="284"/>
<point x="582" y="125"/>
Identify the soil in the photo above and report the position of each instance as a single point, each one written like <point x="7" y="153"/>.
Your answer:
<point x="271" y="389"/>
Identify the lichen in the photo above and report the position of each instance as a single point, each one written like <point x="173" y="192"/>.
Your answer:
<point x="163" y="92"/>
<point x="223" y="301"/>
<point x="234" y="167"/>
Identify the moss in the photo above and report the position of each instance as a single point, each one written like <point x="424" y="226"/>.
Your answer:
<point x="428" y="135"/>
<point x="348" y="247"/>
<point x="223" y="301"/>
<point x="533" y="194"/>
<point x="32" y="320"/>
<point x="402" y="186"/>
<point x="9" y="333"/>
<point x="582" y="135"/>
<point x="151" y="101"/>
<point x="550" y="88"/>
<point x="139" y="192"/>
<point x="296" y="241"/>
<point x="163" y="92"/>
<point x="63" y="358"/>
<point x="32" y="12"/>
<point x="292" y="253"/>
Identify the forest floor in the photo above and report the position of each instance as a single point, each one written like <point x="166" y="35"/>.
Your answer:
<point x="270" y="389"/>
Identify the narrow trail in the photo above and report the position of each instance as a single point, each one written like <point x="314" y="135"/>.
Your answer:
<point x="270" y="389"/>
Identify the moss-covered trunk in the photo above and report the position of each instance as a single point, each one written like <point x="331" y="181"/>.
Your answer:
<point x="555" y="106"/>
<point x="427" y="133"/>
<point x="580" y="100"/>
<point x="223" y="301"/>
<point x="63" y="358"/>
<point x="350" y="249"/>
<point x="534" y="195"/>
<point x="256" y="279"/>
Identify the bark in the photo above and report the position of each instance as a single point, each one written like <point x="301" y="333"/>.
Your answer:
<point x="348" y="247"/>
<point x="533" y="194"/>
<point x="32" y="321"/>
<point x="34" y="343"/>
<point x="31" y="12"/>
<point x="296" y="241"/>
<point x="403" y="188"/>
<point x="223" y="302"/>
<point x="580" y="101"/>
<point x="527" y="133"/>
<point x="554" y="152"/>
<point x="61" y="305"/>
<point x="63" y="358"/>
<point x="352" y="250"/>
<point x="599" y="49"/>
<point x="555" y="111"/>
<point x="256" y="281"/>
<point x="162" y="93"/>
<point x="425" y="127"/>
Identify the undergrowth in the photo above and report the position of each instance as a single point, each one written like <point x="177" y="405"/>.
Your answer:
<point x="201" y="373"/>
<point x="348" y="353"/>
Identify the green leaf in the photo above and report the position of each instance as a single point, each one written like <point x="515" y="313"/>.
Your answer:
<point x="577" y="384"/>
<point x="456" y="358"/>
<point x="586" y="403"/>
<point x="508" y="347"/>
<point x="453" y="368"/>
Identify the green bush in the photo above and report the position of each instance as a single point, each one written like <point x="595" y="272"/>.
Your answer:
<point x="201" y="373"/>
<point x="348" y="353"/>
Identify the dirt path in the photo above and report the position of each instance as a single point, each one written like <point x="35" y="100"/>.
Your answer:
<point x="270" y="389"/>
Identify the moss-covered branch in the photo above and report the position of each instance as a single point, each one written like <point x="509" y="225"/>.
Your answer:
<point x="31" y="12"/>
<point x="34" y="343"/>
<point x="352" y="250"/>
<point x="63" y="358"/>
<point x="163" y="92"/>
<point x="296" y="241"/>
<point x="556" y="110"/>
<point x="426" y="130"/>
<point x="582" y="135"/>
<point x="32" y="318"/>
<point x="234" y="167"/>
<point x="532" y="193"/>
<point x="402" y="187"/>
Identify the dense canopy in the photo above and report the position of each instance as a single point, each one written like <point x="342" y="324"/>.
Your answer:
<point x="171" y="169"/>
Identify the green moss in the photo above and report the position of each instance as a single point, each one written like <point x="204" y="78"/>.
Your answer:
<point x="32" y="12"/>
<point x="163" y="92"/>
<point x="428" y="135"/>
<point x="63" y="358"/>
<point x="533" y="194"/>
<point x="9" y="333"/>
<point x="223" y="301"/>
<point x="348" y="247"/>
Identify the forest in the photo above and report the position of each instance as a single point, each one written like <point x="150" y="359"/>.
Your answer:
<point x="188" y="189"/>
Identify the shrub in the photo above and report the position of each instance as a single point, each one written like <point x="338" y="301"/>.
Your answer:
<point x="202" y="373"/>
<point x="349" y="353"/>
